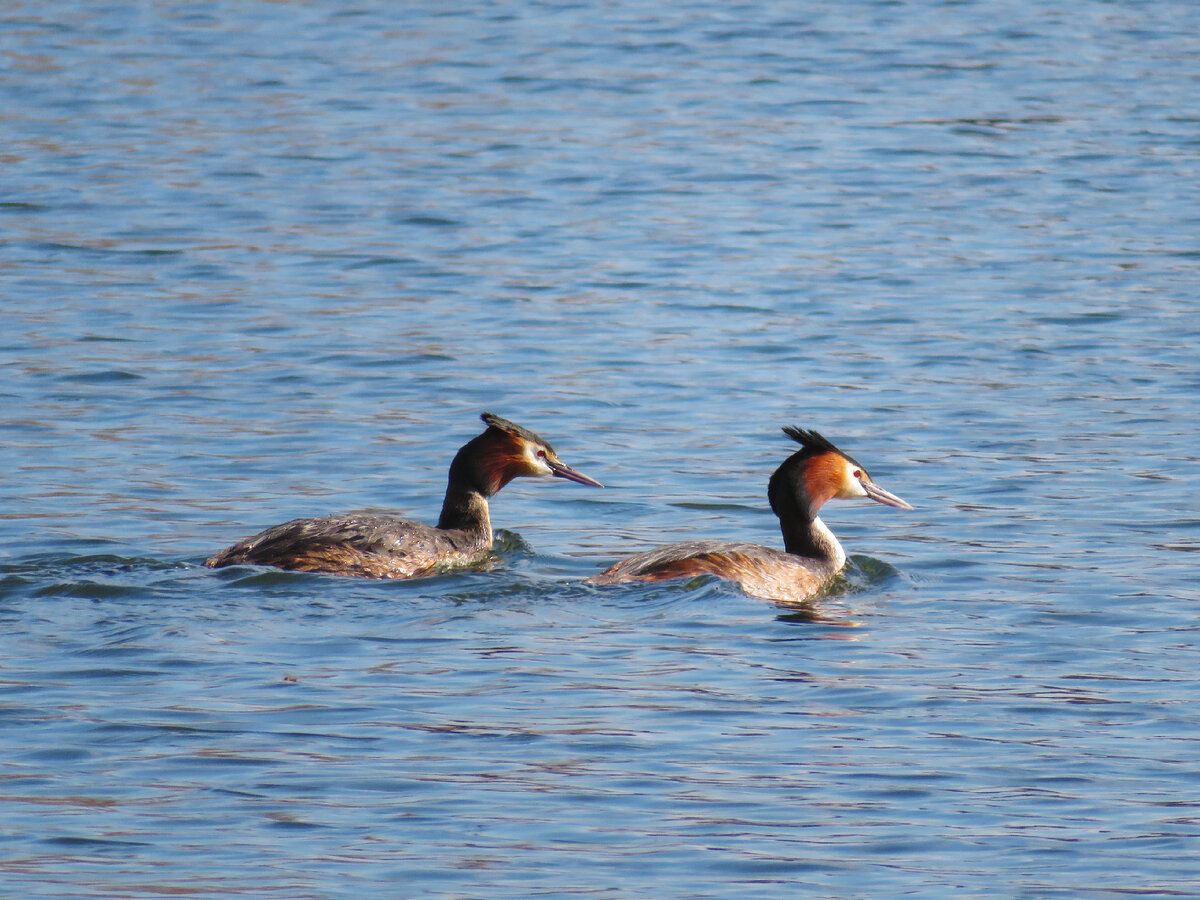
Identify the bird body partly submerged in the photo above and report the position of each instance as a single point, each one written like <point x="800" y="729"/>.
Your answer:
<point x="811" y="556"/>
<point x="368" y="546"/>
<point x="377" y="546"/>
<point x="762" y="572"/>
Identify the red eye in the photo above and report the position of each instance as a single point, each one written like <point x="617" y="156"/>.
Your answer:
<point x="858" y="473"/>
<point x="541" y="454"/>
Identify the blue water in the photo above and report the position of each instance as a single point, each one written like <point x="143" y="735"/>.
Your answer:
<point x="265" y="260"/>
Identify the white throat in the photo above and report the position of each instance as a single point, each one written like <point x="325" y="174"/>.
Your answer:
<point x="825" y="536"/>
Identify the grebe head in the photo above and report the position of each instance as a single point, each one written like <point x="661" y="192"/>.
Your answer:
<point x="507" y="451"/>
<point x="820" y="471"/>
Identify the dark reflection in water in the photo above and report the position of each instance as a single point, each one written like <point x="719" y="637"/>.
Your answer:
<point x="263" y="262"/>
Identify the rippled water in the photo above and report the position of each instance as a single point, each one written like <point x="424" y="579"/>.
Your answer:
<point x="267" y="260"/>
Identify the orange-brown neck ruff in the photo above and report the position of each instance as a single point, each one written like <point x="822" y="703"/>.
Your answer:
<point x="822" y="478"/>
<point x="497" y="457"/>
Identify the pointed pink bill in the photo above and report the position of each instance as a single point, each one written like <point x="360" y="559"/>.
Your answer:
<point x="562" y="470"/>
<point x="879" y="495"/>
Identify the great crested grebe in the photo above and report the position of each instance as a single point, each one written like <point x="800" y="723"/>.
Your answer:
<point x="373" y="546"/>
<point x="799" y="488"/>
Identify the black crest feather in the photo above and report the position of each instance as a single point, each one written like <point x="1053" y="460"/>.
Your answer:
<point x="494" y="421"/>
<point x="814" y="442"/>
<point x="810" y="439"/>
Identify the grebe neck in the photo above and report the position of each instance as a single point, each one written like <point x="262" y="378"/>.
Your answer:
<point x="804" y="534"/>
<point x="465" y="510"/>
<point x="814" y="541"/>
<point x="465" y="507"/>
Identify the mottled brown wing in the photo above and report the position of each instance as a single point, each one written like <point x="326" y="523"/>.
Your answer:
<point x="367" y="546"/>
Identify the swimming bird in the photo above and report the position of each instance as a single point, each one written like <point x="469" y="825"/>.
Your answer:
<point x="377" y="546"/>
<point x="816" y="473"/>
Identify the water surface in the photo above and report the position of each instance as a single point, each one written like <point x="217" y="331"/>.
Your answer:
<point x="261" y="261"/>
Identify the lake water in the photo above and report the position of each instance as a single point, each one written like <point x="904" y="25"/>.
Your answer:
<point x="264" y="260"/>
